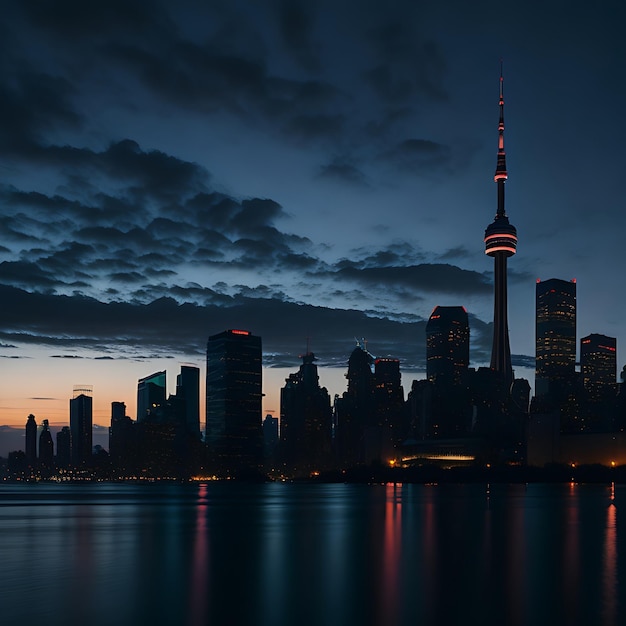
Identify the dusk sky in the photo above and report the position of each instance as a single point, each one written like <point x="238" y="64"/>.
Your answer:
<point x="298" y="169"/>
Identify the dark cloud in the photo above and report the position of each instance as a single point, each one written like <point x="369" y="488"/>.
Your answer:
<point x="523" y="360"/>
<point x="74" y="19"/>
<point x="344" y="172"/>
<point x="35" y="103"/>
<point x="296" y="28"/>
<point x="458" y="252"/>
<point x="428" y="277"/>
<point x="164" y="325"/>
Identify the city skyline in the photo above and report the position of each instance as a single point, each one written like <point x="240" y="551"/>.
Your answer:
<point x="224" y="171"/>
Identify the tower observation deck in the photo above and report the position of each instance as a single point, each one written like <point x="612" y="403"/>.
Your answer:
<point x="501" y="243"/>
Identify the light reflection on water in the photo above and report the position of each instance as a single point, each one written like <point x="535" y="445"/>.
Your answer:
<point x="284" y="554"/>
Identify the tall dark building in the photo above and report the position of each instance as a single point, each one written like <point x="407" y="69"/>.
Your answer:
<point x="122" y="438"/>
<point x="305" y="419"/>
<point x="233" y="400"/>
<point x="555" y="337"/>
<point x="64" y="446"/>
<point x="388" y="405"/>
<point x="150" y="394"/>
<point x="270" y="436"/>
<point x="447" y="344"/>
<point x="598" y="361"/>
<point x="501" y="243"/>
<point x="46" y="447"/>
<point x="354" y="410"/>
<point x="188" y="391"/>
<point x="31" y="441"/>
<point x="599" y="402"/>
<point x="448" y="409"/>
<point x="81" y="425"/>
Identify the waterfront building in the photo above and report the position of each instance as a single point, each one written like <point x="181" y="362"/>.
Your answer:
<point x="188" y="392"/>
<point x="598" y="361"/>
<point x="81" y="424"/>
<point x="46" y="447"/>
<point x="447" y="344"/>
<point x="270" y="437"/>
<point x="122" y="438"/>
<point x="447" y="370"/>
<point x="151" y="392"/>
<point x="305" y="419"/>
<point x="31" y="441"/>
<point x="233" y="400"/>
<point x="555" y="339"/>
<point x="64" y="447"/>
<point x="355" y="410"/>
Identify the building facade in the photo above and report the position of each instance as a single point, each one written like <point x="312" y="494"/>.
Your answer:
<point x="81" y="425"/>
<point x="188" y="391"/>
<point x="151" y="392"/>
<point x="305" y="420"/>
<point x="555" y="338"/>
<point x="233" y="400"/>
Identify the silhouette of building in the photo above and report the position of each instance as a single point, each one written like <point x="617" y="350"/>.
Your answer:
<point x="447" y="370"/>
<point x="389" y="405"/>
<point x="64" y="447"/>
<point x="188" y="392"/>
<point x="598" y="365"/>
<point x="501" y="243"/>
<point x="122" y="438"/>
<point x="46" y="447"/>
<point x="447" y="344"/>
<point x="306" y="420"/>
<point x="151" y="392"/>
<point x="555" y="339"/>
<point x="233" y="400"/>
<point x="354" y="411"/>
<point x="270" y="437"/>
<point x="31" y="441"/>
<point x="81" y="425"/>
<point x="598" y="361"/>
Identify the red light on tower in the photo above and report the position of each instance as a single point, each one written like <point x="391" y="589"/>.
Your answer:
<point x="239" y="332"/>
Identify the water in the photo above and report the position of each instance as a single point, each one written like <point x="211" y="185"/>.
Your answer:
<point x="298" y="554"/>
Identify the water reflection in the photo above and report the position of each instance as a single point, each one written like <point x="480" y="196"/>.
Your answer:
<point x="312" y="554"/>
<point x="609" y="565"/>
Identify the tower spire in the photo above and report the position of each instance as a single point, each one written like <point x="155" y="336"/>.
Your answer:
<point x="501" y="175"/>
<point x="501" y="243"/>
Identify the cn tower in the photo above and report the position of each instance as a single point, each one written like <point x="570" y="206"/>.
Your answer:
<point x="501" y="243"/>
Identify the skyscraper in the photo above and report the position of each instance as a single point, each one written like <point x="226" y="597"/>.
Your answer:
<point x="305" y="419"/>
<point x="233" y="400"/>
<point x="150" y="394"/>
<point x="598" y="365"/>
<point x="46" y="447"/>
<point x="64" y="446"/>
<point x="31" y="441"/>
<point x="81" y="424"/>
<point x="447" y="344"/>
<point x="188" y="390"/>
<point x="447" y="369"/>
<point x="555" y="337"/>
<point x="501" y="243"/>
<point x="598" y="361"/>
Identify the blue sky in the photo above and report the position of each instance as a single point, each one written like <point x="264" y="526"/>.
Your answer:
<point x="298" y="169"/>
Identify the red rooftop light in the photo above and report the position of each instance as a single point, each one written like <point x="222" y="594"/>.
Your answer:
<point x="239" y="332"/>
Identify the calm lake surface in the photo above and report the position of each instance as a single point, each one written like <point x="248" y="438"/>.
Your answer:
<point x="295" y="554"/>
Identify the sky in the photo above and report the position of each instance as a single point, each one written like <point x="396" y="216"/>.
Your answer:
<point x="309" y="171"/>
